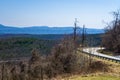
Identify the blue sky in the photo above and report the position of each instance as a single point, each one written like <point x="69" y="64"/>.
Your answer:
<point x="22" y="13"/>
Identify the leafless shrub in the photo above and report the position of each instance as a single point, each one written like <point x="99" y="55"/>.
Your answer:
<point x="63" y="57"/>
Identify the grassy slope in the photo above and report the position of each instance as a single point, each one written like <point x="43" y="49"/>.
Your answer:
<point x="95" y="78"/>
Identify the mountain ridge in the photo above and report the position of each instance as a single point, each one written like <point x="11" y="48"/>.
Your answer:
<point x="44" y="30"/>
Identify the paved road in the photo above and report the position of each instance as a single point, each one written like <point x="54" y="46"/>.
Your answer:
<point x="93" y="51"/>
<point x="117" y="56"/>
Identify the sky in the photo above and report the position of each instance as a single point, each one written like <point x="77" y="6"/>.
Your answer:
<point x="57" y="13"/>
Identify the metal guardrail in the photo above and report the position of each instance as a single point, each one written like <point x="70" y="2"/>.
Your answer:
<point x="93" y="52"/>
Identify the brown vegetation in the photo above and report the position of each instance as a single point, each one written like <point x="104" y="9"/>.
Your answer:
<point x="63" y="59"/>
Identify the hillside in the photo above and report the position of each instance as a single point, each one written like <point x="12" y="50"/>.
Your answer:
<point x="14" y="47"/>
<point x="20" y="45"/>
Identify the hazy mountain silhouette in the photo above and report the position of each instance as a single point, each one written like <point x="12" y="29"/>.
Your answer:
<point x="44" y="30"/>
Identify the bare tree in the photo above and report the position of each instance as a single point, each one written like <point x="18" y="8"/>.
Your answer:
<point x="111" y="38"/>
<point x="83" y="36"/>
<point x="75" y="29"/>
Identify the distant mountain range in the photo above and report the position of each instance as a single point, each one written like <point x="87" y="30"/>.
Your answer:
<point x="44" y="30"/>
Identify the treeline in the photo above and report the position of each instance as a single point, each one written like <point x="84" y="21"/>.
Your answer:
<point x="93" y="40"/>
<point x="36" y="36"/>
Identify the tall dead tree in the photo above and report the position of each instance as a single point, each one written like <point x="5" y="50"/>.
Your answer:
<point x="75" y="34"/>
<point x="75" y="29"/>
<point x="83" y="36"/>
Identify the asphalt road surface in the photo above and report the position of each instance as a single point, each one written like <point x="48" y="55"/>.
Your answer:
<point x="93" y="51"/>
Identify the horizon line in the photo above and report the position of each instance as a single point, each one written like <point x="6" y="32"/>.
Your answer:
<point x="45" y="26"/>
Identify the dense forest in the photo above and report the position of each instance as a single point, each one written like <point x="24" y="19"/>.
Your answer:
<point x="21" y="47"/>
<point x="14" y="46"/>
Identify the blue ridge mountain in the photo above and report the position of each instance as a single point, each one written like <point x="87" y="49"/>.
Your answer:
<point x="44" y="30"/>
